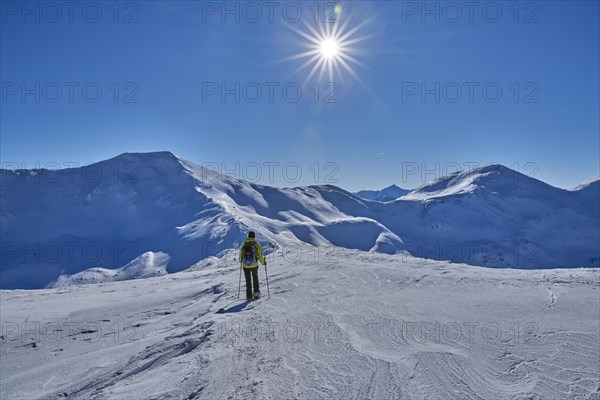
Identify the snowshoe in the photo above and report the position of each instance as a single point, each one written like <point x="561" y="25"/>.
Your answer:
<point x="256" y="295"/>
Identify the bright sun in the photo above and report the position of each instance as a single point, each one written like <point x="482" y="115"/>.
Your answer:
<point x="329" y="48"/>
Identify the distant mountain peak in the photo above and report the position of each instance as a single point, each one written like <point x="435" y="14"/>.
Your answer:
<point x="389" y="193"/>
<point x="146" y="156"/>
<point x="162" y="153"/>
<point x="491" y="168"/>
<point x="493" y="178"/>
<point x="393" y="187"/>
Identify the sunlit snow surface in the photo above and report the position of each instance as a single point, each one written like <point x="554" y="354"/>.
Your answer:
<point x="342" y="325"/>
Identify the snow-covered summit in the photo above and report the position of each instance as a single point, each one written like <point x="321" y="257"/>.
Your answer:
<point x="492" y="179"/>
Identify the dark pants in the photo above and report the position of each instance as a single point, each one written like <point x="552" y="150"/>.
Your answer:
<point x="247" y="273"/>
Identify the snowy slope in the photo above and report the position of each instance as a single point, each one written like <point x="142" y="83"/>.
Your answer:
<point x="386" y="194"/>
<point x="495" y="216"/>
<point x="342" y="325"/>
<point x="102" y="217"/>
<point x="492" y="216"/>
<point x="107" y="214"/>
<point x="291" y="215"/>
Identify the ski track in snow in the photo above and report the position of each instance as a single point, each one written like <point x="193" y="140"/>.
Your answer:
<point x="362" y="326"/>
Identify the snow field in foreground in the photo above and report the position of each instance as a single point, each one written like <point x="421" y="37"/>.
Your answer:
<point x="361" y="325"/>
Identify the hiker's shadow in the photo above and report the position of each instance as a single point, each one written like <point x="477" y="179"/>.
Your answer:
<point x="235" y="308"/>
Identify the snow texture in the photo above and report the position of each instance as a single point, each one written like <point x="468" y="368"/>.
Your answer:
<point x="346" y="324"/>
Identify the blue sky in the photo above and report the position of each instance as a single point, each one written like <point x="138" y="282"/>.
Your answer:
<point x="154" y="63"/>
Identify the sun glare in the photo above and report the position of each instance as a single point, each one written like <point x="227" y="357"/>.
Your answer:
<point x="330" y="48"/>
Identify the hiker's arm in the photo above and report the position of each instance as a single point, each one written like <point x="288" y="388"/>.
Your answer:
<point x="259" y="254"/>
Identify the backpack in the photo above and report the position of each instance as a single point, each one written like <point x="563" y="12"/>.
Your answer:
<point x="249" y="253"/>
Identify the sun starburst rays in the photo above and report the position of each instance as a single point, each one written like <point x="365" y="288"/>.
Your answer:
<point x="329" y="50"/>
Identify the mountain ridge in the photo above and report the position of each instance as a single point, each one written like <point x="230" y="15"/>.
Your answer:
<point x="137" y="203"/>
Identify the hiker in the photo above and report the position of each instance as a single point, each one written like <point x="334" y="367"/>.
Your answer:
<point x="250" y="255"/>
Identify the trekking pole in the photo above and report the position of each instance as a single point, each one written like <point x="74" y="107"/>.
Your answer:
<point x="240" y="284"/>
<point x="267" y="275"/>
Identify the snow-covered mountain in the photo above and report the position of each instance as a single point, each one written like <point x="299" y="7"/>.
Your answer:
<point x="387" y="194"/>
<point x="496" y="216"/>
<point x="344" y="319"/>
<point x="106" y="215"/>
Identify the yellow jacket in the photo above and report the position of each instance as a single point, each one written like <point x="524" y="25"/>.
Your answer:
<point x="259" y="255"/>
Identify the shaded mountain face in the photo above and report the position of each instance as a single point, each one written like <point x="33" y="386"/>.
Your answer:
<point x="388" y="194"/>
<point x="134" y="206"/>
<point x="103" y="215"/>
